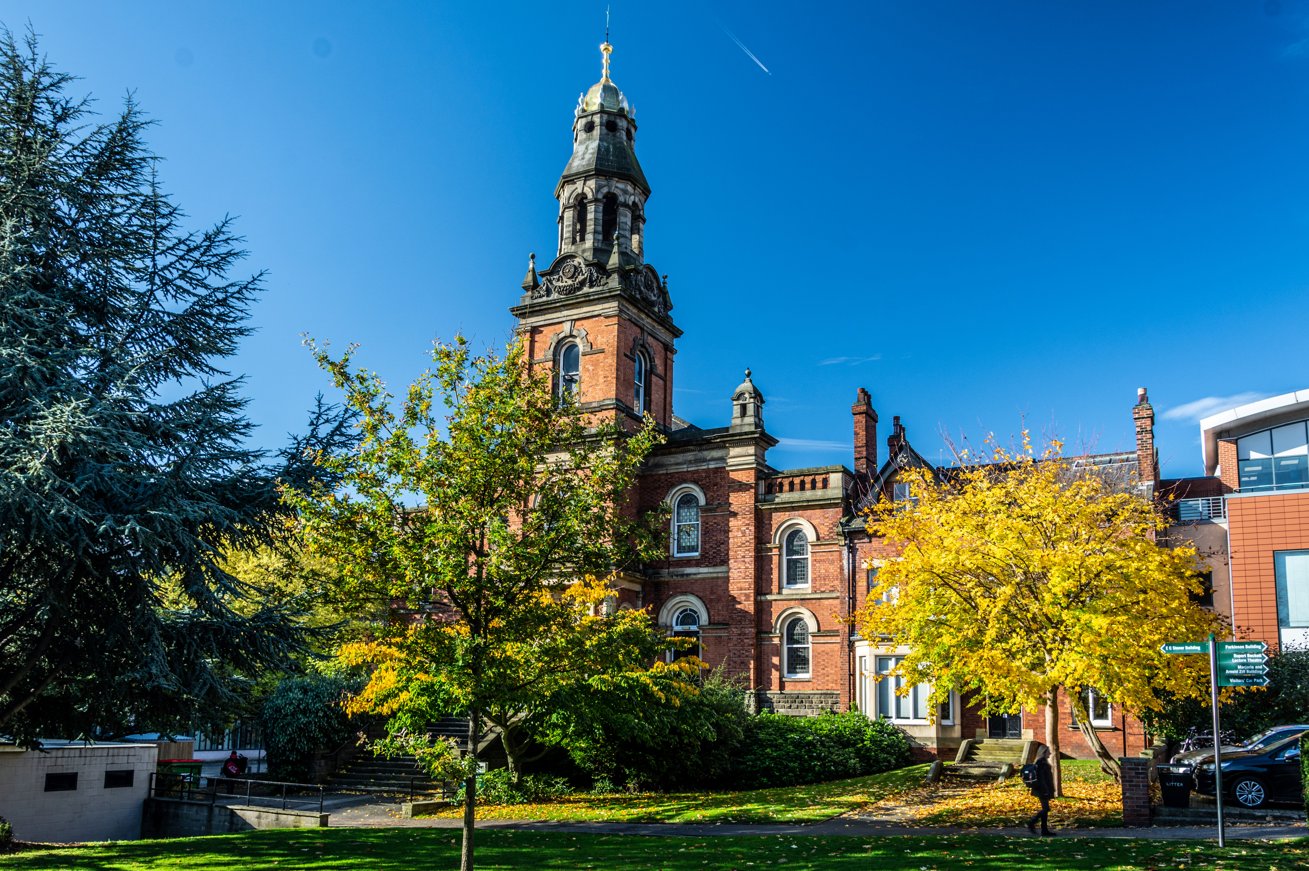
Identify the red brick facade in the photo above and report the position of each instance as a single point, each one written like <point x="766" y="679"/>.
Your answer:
<point x="776" y="550"/>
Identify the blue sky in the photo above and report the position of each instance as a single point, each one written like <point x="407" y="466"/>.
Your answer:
<point x="984" y="212"/>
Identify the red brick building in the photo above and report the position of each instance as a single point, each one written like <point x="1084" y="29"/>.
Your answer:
<point x="764" y="565"/>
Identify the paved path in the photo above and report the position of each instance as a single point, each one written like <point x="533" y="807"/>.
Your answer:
<point x="364" y="812"/>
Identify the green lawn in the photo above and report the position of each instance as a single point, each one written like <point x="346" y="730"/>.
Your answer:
<point x="402" y="849"/>
<point x="791" y="804"/>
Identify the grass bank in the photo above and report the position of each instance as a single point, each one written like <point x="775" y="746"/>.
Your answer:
<point x="403" y="849"/>
<point x="791" y="804"/>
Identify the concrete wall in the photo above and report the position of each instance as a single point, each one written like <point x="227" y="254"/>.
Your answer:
<point x="90" y="812"/>
<point x="175" y="818"/>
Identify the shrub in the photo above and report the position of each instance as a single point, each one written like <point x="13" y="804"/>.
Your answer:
<point x="496" y="787"/>
<point x="6" y="835"/>
<point x="633" y="736"/>
<point x="786" y="751"/>
<point x="301" y="718"/>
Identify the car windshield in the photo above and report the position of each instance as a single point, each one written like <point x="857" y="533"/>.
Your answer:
<point x="1264" y="739"/>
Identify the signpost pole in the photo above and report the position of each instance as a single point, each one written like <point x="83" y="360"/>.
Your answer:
<point x="1218" y="747"/>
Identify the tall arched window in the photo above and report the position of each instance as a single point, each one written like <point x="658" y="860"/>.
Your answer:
<point x="641" y="387"/>
<point x="795" y="653"/>
<point x="686" y="525"/>
<point x="686" y="624"/>
<point x="795" y="559"/>
<point x="609" y="219"/>
<point x="568" y="371"/>
<point x="579" y="219"/>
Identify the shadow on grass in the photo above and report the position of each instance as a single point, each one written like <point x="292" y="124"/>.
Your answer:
<point x="792" y="804"/>
<point x="396" y="849"/>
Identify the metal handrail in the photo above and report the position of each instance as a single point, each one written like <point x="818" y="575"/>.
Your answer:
<point x="201" y="787"/>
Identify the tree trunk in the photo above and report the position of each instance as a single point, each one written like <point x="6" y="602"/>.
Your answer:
<point x="470" y="789"/>
<point x="512" y="760"/>
<point x="1108" y="764"/>
<point x="1052" y="739"/>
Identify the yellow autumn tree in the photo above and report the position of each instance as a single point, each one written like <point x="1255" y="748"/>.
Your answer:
<point x="1027" y="575"/>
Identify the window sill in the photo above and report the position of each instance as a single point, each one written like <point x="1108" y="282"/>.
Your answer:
<point x="1073" y="727"/>
<point x="804" y="677"/>
<point x="686" y="555"/>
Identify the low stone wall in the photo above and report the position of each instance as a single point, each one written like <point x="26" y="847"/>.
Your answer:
<point x="799" y="704"/>
<point x="176" y="818"/>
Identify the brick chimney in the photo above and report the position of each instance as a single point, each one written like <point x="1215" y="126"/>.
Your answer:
<point x="865" y="434"/>
<point x="896" y="438"/>
<point x="1147" y="458"/>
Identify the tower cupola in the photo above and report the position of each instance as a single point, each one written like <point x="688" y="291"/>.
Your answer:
<point x="602" y="191"/>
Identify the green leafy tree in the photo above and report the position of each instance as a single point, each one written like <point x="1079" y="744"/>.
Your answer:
<point x="124" y="470"/>
<point x="476" y="504"/>
<point x="302" y="717"/>
<point x="1027" y="578"/>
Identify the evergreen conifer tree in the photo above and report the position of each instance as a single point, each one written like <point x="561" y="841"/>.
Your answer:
<point x="125" y="473"/>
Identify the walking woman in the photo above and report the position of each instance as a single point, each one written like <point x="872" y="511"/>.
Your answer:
<point x="1043" y="789"/>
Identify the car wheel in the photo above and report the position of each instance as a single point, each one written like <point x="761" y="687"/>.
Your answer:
<point x="1249" y="792"/>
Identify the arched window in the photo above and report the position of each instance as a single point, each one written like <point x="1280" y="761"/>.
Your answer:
<point x="795" y="653"/>
<point x="579" y="219"/>
<point x="795" y="559"/>
<point x="686" y="624"/>
<point x="641" y="387"/>
<point x="568" y="371"/>
<point x="686" y="525"/>
<point x="609" y="219"/>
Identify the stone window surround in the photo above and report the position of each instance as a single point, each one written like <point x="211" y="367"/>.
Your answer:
<point x="671" y="500"/>
<point x="782" y="532"/>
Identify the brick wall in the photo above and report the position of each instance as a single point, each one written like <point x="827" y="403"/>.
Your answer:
<point x="1126" y="737"/>
<point x="1136" y="791"/>
<point x="1229" y="472"/>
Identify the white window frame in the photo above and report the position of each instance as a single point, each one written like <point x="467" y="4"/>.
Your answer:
<point x="1090" y="697"/>
<point x="564" y="384"/>
<point x="806" y="559"/>
<point x="674" y="498"/>
<point x="787" y="625"/>
<point x="919" y="696"/>
<point x="674" y="630"/>
<point x="641" y="382"/>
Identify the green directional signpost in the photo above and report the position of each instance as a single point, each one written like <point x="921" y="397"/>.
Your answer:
<point x="1231" y="664"/>
<point x="1242" y="664"/>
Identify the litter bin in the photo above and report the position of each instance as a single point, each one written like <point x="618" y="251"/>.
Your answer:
<point x="1176" y="782"/>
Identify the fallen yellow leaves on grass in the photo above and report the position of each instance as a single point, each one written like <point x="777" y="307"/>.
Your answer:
<point x="1011" y="804"/>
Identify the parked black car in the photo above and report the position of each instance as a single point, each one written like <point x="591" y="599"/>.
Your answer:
<point x="1256" y="777"/>
<point x="1266" y="738"/>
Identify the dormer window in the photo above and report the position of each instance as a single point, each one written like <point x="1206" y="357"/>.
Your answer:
<point x="568" y="372"/>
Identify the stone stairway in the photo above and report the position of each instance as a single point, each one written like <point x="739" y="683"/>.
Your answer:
<point x="398" y="774"/>
<point x="991" y="758"/>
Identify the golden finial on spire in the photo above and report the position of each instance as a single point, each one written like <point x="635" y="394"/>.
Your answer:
<point x="605" y="49"/>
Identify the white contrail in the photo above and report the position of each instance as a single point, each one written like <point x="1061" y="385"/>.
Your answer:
<point x="741" y="45"/>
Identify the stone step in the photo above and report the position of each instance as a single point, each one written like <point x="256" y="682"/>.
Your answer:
<point x="974" y="771"/>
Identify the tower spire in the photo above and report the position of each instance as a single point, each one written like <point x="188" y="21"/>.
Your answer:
<point x="605" y="49"/>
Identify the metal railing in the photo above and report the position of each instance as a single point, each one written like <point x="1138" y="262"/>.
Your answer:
<point x="1207" y="508"/>
<point x="229" y="790"/>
